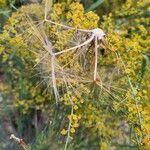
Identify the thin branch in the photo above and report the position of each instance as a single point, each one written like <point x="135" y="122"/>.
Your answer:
<point x="75" y="47"/>
<point x="69" y="127"/>
<point x="67" y="27"/>
<point x="70" y="121"/>
<point x="133" y="92"/>
<point x="48" y="5"/>
<point x="95" y="64"/>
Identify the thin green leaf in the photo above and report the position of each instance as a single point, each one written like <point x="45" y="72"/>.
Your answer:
<point x="3" y="12"/>
<point x="95" y="5"/>
<point x="144" y="68"/>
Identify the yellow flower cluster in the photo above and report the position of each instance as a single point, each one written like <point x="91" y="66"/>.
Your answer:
<point x="131" y="41"/>
<point x="3" y="3"/>
<point x="80" y="19"/>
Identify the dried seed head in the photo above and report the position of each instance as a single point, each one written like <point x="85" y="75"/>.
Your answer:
<point x="99" y="33"/>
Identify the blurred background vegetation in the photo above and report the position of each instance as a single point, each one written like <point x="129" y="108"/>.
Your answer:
<point x="101" y="121"/>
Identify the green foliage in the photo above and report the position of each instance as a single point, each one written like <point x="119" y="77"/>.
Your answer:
<point x="95" y="5"/>
<point x="6" y="8"/>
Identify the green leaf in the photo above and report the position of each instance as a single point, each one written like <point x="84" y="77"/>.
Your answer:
<point x="95" y="5"/>
<point x="3" y="12"/>
<point x="144" y="68"/>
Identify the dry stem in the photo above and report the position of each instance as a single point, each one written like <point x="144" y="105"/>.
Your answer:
<point x="20" y="142"/>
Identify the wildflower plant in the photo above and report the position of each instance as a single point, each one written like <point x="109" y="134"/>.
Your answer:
<point x="85" y="69"/>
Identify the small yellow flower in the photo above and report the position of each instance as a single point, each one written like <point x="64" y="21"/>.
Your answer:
<point x="63" y="132"/>
<point x="75" y="107"/>
<point x="72" y="130"/>
<point x="81" y="101"/>
<point x="75" y="125"/>
<point x="74" y="117"/>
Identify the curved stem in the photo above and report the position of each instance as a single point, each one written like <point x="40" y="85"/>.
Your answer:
<point x="68" y="27"/>
<point x="75" y="47"/>
<point x="69" y="127"/>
